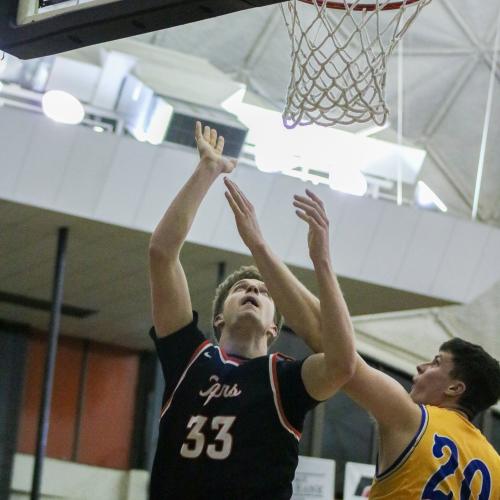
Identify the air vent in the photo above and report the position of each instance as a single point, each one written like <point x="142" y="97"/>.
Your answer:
<point x="182" y="126"/>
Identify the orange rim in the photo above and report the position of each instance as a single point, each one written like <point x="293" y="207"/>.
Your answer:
<point x="361" y="6"/>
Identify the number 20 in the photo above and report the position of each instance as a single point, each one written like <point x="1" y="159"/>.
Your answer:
<point x="447" y="469"/>
<point x="219" y="450"/>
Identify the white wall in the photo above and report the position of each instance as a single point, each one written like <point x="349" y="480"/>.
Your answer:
<point x="70" y="481"/>
<point x="121" y="181"/>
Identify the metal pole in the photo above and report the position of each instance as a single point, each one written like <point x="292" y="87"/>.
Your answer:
<point x="486" y="127"/>
<point x="81" y="399"/>
<point x="400" y="122"/>
<point x="55" y="317"/>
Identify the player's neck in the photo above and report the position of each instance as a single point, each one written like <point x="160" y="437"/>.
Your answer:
<point x="454" y="407"/>
<point x="244" y="347"/>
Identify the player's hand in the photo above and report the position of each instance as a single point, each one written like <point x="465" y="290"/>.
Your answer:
<point x="210" y="148"/>
<point x="310" y="209"/>
<point x="244" y="214"/>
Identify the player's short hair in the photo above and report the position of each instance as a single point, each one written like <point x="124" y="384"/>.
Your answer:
<point x="222" y="291"/>
<point x="479" y="371"/>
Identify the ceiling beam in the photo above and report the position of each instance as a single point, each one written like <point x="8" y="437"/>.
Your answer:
<point x="438" y="52"/>
<point x="460" y="189"/>
<point x="462" y="23"/>
<point x="261" y="41"/>
<point x="488" y="54"/>
<point x="451" y="97"/>
<point x="480" y="46"/>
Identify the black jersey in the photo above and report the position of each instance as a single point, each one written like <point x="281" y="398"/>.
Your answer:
<point x="229" y="427"/>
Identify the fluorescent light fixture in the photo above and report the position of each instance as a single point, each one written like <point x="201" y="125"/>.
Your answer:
<point x="140" y="135"/>
<point x="367" y="132"/>
<point x="38" y="80"/>
<point x="159" y="121"/>
<point x="343" y="155"/>
<point x="426" y="197"/>
<point x="135" y="105"/>
<point x="348" y="181"/>
<point x="62" y="107"/>
<point x="137" y="91"/>
<point x="274" y="150"/>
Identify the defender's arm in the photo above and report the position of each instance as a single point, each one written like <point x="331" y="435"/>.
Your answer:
<point x="397" y="416"/>
<point x="383" y="397"/>
<point x="323" y="374"/>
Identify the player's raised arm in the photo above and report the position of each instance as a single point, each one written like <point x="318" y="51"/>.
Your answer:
<point x="397" y="415"/>
<point x="171" y="303"/>
<point x="298" y="305"/>
<point x="301" y="310"/>
<point x="323" y="374"/>
<point x="385" y="399"/>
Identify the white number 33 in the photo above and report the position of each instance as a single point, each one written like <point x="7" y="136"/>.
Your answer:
<point x="195" y="441"/>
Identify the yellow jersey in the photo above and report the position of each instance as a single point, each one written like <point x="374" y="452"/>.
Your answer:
<point x="448" y="459"/>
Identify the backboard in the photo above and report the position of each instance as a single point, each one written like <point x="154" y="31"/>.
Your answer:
<point x="36" y="28"/>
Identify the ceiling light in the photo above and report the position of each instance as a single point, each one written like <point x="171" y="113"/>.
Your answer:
<point x="98" y="129"/>
<point x="369" y="131"/>
<point x="137" y="91"/>
<point x="427" y="198"/>
<point x="344" y="155"/>
<point x="62" y="107"/>
<point x="348" y="180"/>
<point x="159" y="121"/>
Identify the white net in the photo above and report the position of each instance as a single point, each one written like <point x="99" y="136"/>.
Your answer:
<point x="339" y="59"/>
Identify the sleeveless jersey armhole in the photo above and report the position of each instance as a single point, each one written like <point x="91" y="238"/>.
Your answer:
<point x="197" y="353"/>
<point x="273" y="376"/>
<point x="408" y="450"/>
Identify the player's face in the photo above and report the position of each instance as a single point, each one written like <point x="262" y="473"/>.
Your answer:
<point x="249" y="301"/>
<point x="432" y="380"/>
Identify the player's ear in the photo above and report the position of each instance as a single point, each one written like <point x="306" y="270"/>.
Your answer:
<point x="456" y="388"/>
<point x="272" y="333"/>
<point x="218" y="322"/>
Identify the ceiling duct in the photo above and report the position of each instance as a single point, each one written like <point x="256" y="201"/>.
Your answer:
<point x="185" y="115"/>
<point x="140" y="107"/>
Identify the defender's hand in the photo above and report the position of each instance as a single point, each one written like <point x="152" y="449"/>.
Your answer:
<point x="211" y="148"/>
<point x="312" y="211"/>
<point x="244" y="214"/>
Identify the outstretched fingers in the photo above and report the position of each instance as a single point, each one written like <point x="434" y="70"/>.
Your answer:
<point x="234" y="197"/>
<point x="209" y="135"/>
<point x="306" y="218"/>
<point x="213" y="137"/>
<point x="316" y="199"/>
<point x="315" y="202"/>
<point x="198" y="134"/>
<point x="232" y="203"/>
<point x="311" y="209"/>
<point x="310" y="216"/>
<point x="220" y="145"/>
<point x="238" y="195"/>
<point x="248" y="203"/>
<point x="206" y="133"/>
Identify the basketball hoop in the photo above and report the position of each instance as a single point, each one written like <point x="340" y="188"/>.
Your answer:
<point x="339" y="58"/>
